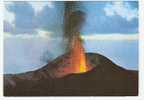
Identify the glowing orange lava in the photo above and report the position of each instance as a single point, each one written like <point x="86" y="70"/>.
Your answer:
<point x="74" y="62"/>
<point x="78" y="57"/>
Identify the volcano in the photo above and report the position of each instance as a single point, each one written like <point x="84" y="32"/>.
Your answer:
<point x="105" y="78"/>
<point x="74" y="73"/>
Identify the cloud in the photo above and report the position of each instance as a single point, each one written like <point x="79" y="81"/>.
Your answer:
<point x="28" y="17"/>
<point x="47" y="35"/>
<point x="24" y="19"/>
<point x="123" y="9"/>
<point x="9" y="16"/>
<point x="38" y="6"/>
<point x="111" y="37"/>
<point x="98" y="22"/>
<point x="40" y="34"/>
<point x="32" y="16"/>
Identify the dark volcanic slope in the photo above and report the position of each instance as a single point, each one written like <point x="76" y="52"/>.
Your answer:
<point x="105" y="79"/>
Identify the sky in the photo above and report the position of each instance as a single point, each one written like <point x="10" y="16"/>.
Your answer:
<point x="111" y="29"/>
<point x="101" y="17"/>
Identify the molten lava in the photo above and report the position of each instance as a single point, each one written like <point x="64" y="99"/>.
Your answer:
<point x="72" y="62"/>
<point x="78" y="59"/>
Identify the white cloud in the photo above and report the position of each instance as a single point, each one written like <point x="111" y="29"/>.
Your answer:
<point x="9" y="16"/>
<point x="39" y="34"/>
<point x="46" y="34"/>
<point x="38" y="6"/>
<point x="111" y="37"/>
<point x="121" y="9"/>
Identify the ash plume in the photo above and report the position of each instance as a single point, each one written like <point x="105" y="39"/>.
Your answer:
<point x="72" y="23"/>
<point x="73" y="20"/>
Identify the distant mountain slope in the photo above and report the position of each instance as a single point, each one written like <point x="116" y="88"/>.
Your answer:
<point x="105" y="79"/>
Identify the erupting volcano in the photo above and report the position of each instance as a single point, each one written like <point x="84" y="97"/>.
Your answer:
<point x="75" y="73"/>
<point x="72" y="24"/>
<point x="74" y="62"/>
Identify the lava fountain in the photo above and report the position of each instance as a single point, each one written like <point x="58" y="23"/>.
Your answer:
<point x="74" y="61"/>
<point x="78" y="59"/>
<point x="73" y="22"/>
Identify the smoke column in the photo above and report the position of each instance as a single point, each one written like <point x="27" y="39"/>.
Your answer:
<point x="73" y="20"/>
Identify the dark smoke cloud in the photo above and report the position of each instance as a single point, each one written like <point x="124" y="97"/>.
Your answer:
<point x="73" y="22"/>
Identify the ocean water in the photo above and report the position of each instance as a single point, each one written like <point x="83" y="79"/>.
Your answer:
<point x="21" y="54"/>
